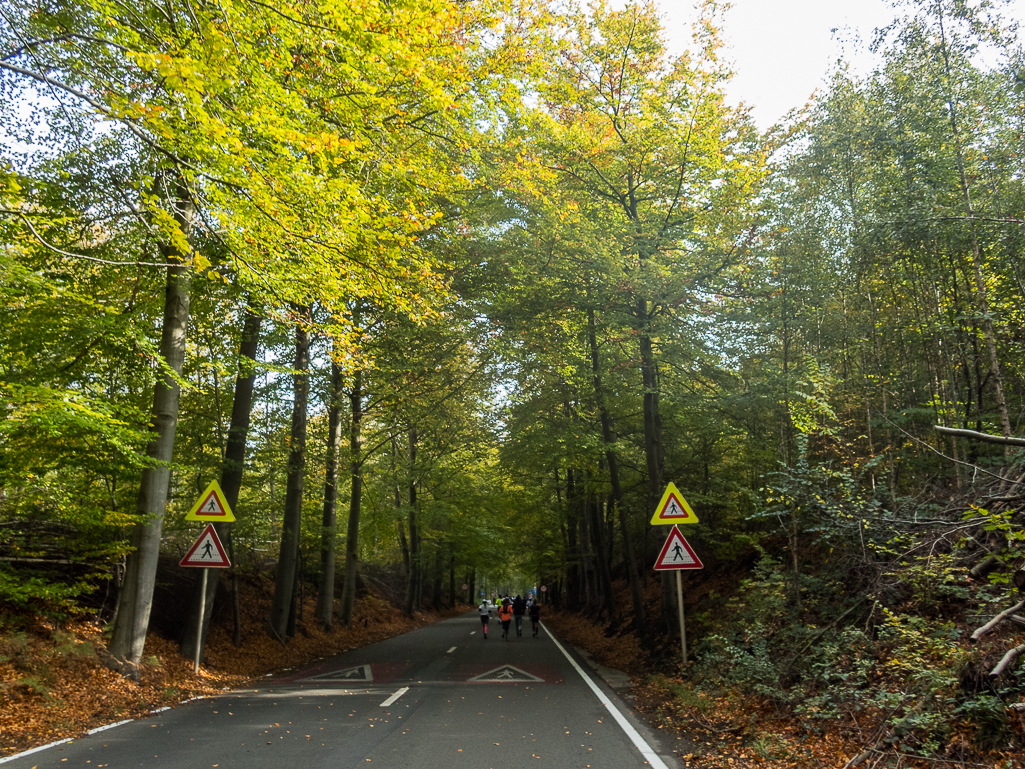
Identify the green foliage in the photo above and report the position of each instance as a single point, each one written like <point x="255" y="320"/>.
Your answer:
<point x="912" y="669"/>
<point x="685" y="693"/>
<point x="1011" y="538"/>
<point x="933" y="582"/>
<point x="47" y="596"/>
<point x="66" y="644"/>
<point x="988" y="713"/>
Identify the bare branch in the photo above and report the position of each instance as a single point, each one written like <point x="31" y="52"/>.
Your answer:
<point x="62" y="252"/>
<point x="972" y="435"/>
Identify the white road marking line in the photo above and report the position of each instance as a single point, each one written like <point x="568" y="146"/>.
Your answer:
<point x="108" y="726"/>
<point x="452" y="650"/>
<point x="34" y="750"/>
<point x="652" y="757"/>
<point x="395" y="696"/>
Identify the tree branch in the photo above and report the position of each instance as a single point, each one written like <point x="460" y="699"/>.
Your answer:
<point x="972" y="435"/>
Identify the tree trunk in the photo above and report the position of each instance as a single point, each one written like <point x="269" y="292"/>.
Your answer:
<point x="136" y="599"/>
<point x="613" y="462"/>
<point x="654" y="459"/>
<point x="326" y="594"/>
<point x="414" y="588"/>
<point x="232" y="468"/>
<point x="437" y="575"/>
<point x="574" y="572"/>
<point x="403" y="544"/>
<point x="282" y="604"/>
<point x="606" y="599"/>
<point x="452" y="579"/>
<point x="355" y="500"/>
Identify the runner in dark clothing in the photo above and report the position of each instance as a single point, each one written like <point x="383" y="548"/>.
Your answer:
<point x="535" y="616"/>
<point x="519" y="609"/>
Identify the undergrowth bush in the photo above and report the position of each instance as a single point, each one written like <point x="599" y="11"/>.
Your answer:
<point x="905" y="665"/>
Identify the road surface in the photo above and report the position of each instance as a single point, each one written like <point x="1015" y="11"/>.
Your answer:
<point x="437" y="698"/>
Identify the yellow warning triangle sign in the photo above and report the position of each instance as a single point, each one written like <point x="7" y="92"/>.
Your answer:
<point x="673" y="509"/>
<point x="212" y="506"/>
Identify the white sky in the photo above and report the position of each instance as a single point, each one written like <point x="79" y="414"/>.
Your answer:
<point x="783" y="49"/>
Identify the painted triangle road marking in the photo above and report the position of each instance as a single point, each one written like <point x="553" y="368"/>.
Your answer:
<point x="677" y="554"/>
<point x="212" y="506"/>
<point x="207" y="552"/>
<point x="673" y="508"/>
<point x="507" y="674"/>
<point x="359" y="673"/>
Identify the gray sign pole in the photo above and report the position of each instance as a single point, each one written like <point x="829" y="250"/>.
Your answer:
<point x="679" y="601"/>
<point x="202" y="611"/>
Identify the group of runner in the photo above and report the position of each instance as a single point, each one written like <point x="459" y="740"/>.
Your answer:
<point x="511" y="609"/>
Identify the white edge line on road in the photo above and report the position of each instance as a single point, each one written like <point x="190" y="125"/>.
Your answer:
<point x="652" y="757"/>
<point x="90" y="732"/>
<point x="452" y="650"/>
<point x="34" y="750"/>
<point x="108" y="726"/>
<point x="394" y="697"/>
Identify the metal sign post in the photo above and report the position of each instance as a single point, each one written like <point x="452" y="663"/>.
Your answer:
<point x="679" y="601"/>
<point x="677" y="555"/>
<point x="206" y="553"/>
<point x="202" y="613"/>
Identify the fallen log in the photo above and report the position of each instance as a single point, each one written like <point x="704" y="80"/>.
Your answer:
<point x="996" y="621"/>
<point x="1007" y="661"/>
<point x="985" y="567"/>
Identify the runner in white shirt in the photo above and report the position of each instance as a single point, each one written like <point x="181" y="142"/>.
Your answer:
<point x="485" y="615"/>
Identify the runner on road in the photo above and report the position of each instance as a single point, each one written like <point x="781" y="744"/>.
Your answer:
<point x="519" y="609"/>
<point x="505" y="614"/>
<point x="485" y="615"/>
<point x="535" y="616"/>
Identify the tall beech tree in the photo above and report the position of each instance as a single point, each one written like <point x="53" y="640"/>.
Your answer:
<point x="281" y="622"/>
<point x="649" y="143"/>
<point x="136" y="598"/>
<point x="335" y="428"/>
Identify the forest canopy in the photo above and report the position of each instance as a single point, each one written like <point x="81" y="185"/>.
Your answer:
<point x="489" y="275"/>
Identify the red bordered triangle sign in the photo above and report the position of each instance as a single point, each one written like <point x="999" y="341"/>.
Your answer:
<point x="207" y="552"/>
<point x="673" y="508"/>
<point x="677" y="554"/>
<point x="212" y="506"/>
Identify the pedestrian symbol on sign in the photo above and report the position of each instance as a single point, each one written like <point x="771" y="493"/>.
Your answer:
<point x="677" y="554"/>
<point x="207" y="552"/>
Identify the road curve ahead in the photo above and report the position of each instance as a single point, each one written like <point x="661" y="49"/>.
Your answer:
<point x="439" y="697"/>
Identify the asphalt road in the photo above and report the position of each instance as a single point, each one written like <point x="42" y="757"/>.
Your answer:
<point x="437" y="698"/>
